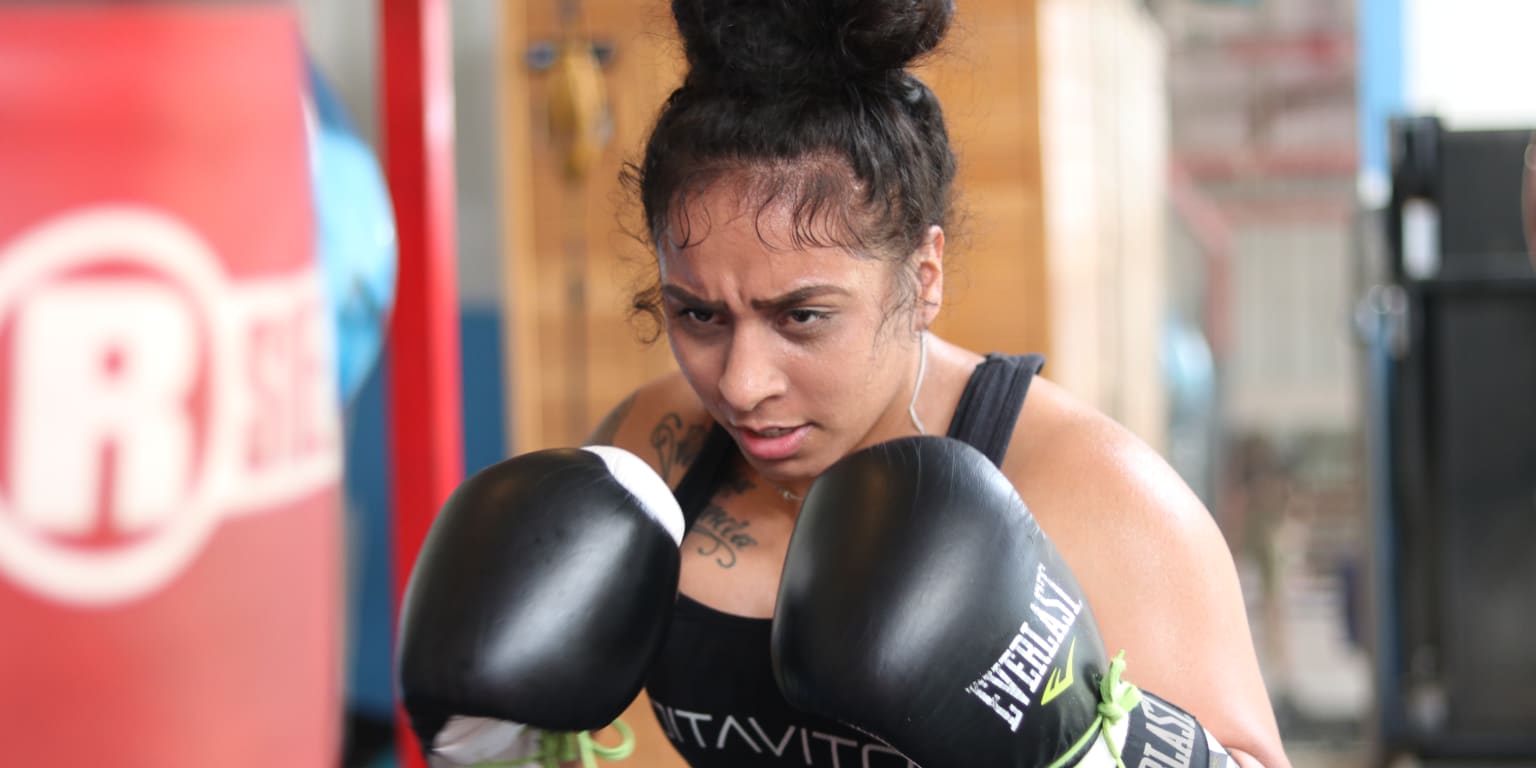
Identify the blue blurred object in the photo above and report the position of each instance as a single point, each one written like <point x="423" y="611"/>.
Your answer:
<point x="1189" y="374"/>
<point x="356" y="228"/>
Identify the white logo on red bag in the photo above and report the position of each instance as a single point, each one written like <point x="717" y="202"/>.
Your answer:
<point x="144" y="396"/>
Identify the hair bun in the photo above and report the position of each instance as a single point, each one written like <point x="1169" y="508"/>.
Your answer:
<point x="795" y="43"/>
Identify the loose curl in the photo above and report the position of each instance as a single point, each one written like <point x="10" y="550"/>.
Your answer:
<point x="807" y="105"/>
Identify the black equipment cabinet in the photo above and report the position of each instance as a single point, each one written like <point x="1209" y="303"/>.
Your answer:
<point x="1450" y="335"/>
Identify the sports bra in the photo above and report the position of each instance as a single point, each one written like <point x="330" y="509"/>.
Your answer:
<point x="712" y="686"/>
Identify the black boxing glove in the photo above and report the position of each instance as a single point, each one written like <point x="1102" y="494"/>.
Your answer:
<point x="542" y="593"/>
<point x="922" y="604"/>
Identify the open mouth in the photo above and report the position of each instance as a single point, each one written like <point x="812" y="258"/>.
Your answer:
<point x="772" y="443"/>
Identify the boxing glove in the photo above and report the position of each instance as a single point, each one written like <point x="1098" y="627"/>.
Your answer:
<point x="922" y="604"/>
<point x="542" y="592"/>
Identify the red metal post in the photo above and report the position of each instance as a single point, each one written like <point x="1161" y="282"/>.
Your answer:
<point x="425" y="411"/>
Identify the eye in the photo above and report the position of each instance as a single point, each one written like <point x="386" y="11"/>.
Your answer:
<point x="804" y="317"/>
<point x="694" y="315"/>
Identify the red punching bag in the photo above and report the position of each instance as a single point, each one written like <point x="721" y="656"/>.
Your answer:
<point x="169" y="442"/>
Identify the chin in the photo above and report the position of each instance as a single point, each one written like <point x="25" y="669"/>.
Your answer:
<point x="798" y="468"/>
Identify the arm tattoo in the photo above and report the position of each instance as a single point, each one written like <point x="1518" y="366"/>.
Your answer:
<point x="608" y="428"/>
<point x="726" y="535"/>
<point x="674" y="449"/>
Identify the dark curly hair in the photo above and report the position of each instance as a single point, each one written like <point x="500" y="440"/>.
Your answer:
<point x="809" y="104"/>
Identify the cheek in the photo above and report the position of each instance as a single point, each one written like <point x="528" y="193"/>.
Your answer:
<point x="694" y="361"/>
<point x="842" y="379"/>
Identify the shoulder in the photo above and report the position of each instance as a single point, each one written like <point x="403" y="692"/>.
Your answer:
<point x="1115" y="508"/>
<point x="1151" y="560"/>
<point x="662" y="422"/>
<point x="1070" y="455"/>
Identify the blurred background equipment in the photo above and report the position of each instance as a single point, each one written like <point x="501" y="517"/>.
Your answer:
<point x="356" y="227"/>
<point x="170" y="574"/>
<point x="1454" y="507"/>
<point x="1264" y="160"/>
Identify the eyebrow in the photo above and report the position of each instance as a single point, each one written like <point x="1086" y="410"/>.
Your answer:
<point x="797" y="296"/>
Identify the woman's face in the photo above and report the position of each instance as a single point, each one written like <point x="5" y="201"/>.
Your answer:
<point x="802" y="354"/>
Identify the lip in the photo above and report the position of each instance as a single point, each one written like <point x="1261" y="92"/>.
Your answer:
<point x="764" y="448"/>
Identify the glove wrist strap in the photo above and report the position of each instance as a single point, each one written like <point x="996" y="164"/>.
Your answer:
<point x="558" y="747"/>
<point x="1117" y="698"/>
<point x="1139" y="726"/>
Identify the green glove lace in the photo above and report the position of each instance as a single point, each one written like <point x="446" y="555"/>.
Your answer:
<point x="556" y="748"/>
<point x="1116" y="699"/>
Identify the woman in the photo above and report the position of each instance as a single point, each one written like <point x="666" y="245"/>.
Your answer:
<point x="797" y="187"/>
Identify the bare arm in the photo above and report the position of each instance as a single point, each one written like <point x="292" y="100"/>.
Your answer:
<point x="1246" y="760"/>
<point x="662" y="422"/>
<point x="608" y="429"/>
<point x="1157" y="573"/>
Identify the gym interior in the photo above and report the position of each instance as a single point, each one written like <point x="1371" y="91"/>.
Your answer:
<point x="1287" y="243"/>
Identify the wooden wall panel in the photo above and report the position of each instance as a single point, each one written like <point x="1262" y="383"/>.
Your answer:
<point x="575" y="358"/>
<point x="1104" y="148"/>
<point x="986" y="77"/>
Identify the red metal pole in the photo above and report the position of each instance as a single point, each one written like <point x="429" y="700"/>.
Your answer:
<point x="425" y="411"/>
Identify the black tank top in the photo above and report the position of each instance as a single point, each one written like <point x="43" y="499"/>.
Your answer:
<point x="712" y="687"/>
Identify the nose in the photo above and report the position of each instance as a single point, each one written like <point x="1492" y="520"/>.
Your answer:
<point x="752" y="374"/>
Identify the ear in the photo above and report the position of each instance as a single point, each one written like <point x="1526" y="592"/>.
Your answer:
<point x="929" y="262"/>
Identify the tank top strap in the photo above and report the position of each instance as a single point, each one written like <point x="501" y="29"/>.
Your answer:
<point x="989" y="407"/>
<point x="703" y="475"/>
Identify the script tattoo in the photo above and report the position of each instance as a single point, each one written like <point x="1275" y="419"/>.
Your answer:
<point x="608" y="429"/>
<point x="673" y="449"/>
<point x="726" y="535"/>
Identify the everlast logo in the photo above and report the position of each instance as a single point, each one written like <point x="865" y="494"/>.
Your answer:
<point x="1163" y="736"/>
<point x="1171" y="736"/>
<point x="1012" y="682"/>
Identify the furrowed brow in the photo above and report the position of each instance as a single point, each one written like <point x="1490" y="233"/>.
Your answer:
<point x="778" y="303"/>
<point x="682" y="296"/>
<point x="798" y="296"/>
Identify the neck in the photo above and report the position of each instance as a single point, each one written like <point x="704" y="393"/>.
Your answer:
<point x="786" y="494"/>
